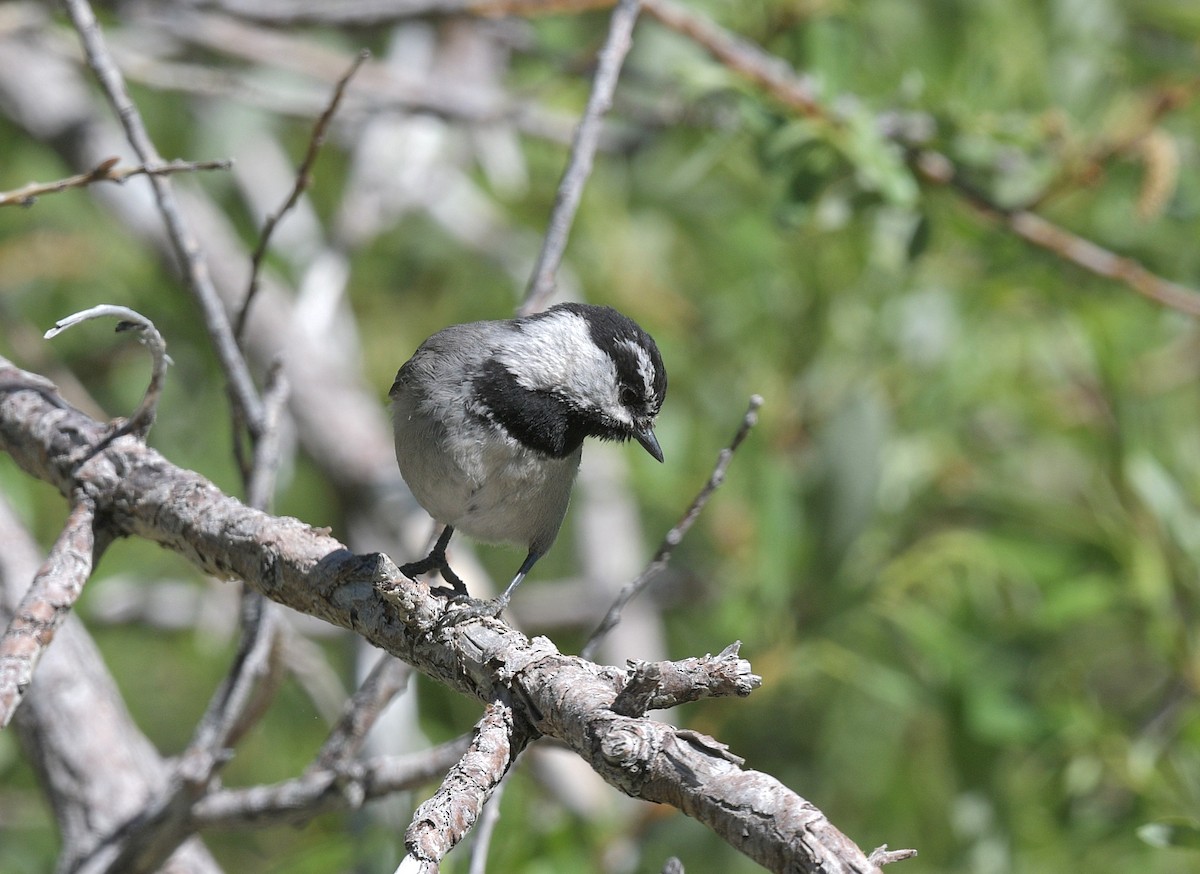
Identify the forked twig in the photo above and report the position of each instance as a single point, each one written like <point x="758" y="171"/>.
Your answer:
<point x="191" y="261"/>
<point x="673" y="537"/>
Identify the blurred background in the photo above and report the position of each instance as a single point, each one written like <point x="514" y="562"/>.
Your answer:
<point x="961" y="547"/>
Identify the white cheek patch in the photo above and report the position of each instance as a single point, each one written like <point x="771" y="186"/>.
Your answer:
<point x="556" y="354"/>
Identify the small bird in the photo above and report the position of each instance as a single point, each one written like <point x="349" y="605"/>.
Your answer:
<point x="490" y="419"/>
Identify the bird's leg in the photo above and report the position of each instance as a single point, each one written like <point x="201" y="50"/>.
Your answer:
<point x="436" y="560"/>
<point x="531" y="559"/>
<point x="491" y="609"/>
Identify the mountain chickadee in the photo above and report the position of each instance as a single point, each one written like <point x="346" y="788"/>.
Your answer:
<point x="490" y="419"/>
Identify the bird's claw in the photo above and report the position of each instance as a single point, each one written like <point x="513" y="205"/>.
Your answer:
<point x="466" y="608"/>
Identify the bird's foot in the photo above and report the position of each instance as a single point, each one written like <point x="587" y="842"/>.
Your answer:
<point x="466" y="609"/>
<point x="434" y="562"/>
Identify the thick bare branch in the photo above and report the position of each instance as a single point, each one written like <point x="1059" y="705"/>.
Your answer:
<point x="661" y="685"/>
<point x="46" y="604"/>
<point x="560" y="696"/>
<point x="445" y="818"/>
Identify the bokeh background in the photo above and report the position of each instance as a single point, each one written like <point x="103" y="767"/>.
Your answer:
<point x="961" y="547"/>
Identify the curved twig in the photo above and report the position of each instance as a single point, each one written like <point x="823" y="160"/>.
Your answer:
<point x="131" y="320"/>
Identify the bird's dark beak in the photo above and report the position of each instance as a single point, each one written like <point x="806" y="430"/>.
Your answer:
<point x="650" y="443"/>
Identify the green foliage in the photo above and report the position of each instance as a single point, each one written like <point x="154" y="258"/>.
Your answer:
<point x="962" y="546"/>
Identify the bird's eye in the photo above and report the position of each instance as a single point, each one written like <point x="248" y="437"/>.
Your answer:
<point x="628" y="396"/>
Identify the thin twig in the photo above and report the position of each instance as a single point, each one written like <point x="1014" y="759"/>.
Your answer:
<point x="583" y="150"/>
<point x="322" y="790"/>
<point x="45" y="606"/>
<point x="781" y="81"/>
<point x="143" y="417"/>
<point x="770" y="72"/>
<point x="673" y="537"/>
<point x="1029" y="226"/>
<point x="105" y="171"/>
<point x="386" y="680"/>
<point x="260" y="479"/>
<point x="303" y="181"/>
<point x="187" y="250"/>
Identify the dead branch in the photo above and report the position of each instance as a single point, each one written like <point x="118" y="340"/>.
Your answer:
<point x="188" y="253"/>
<point x="140" y="422"/>
<point x="560" y="696"/>
<point x="105" y="171"/>
<point x="444" y="819"/>
<point x="54" y="591"/>
<point x="323" y="790"/>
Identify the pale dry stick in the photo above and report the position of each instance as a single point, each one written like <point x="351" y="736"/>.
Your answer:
<point x="131" y="320"/>
<point x="105" y="171"/>
<point x="444" y="819"/>
<point x="187" y="251"/>
<point x="260" y="484"/>
<point x="45" y="606"/>
<point x="673" y="537"/>
<point x="324" y="790"/>
<point x="303" y="181"/>
<point x="583" y="151"/>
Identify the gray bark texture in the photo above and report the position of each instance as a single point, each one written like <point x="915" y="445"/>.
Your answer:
<point x="140" y="493"/>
